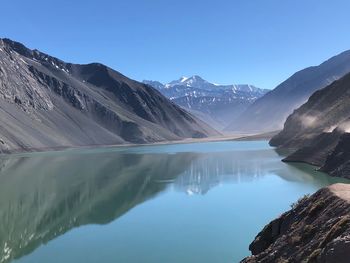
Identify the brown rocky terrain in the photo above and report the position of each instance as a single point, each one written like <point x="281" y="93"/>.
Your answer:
<point x="316" y="229"/>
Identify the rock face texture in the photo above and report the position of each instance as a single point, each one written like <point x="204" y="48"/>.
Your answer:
<point x="316" y="151"/>
<point x="338" y="161"/>
<point x="317" y="229"/>
<point x="213" y="103"/>
<point x="270" y="111"/>
<point x="48" y="103"/>
<point x="319" y="130"/>
<point x="325" y="110"/>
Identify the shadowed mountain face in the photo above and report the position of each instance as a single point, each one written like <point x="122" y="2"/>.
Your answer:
<point x="213" y="103"/>
<point x="325" y="110"/>
<point x="47" y="103"/>
<point x="270" y="111"/>
<point x="319" y="129"/>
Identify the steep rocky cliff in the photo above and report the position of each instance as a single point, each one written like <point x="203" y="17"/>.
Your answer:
<point x="317" y="150"/>
<point x="318" y="130"/>
<point x="48" y="103"/>
<point x="338" y="161"/>
<point x="325" y="110"/>
<point x="317" y="229"/>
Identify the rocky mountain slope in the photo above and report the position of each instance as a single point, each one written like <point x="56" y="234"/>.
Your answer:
<point x="270" y="111"/>
<point x="319" y="129"/>
<point x="213" y="103"/>
<point x="317" y="229"/>
<point x="323" y="112"/>
<point x="48" y="103"/>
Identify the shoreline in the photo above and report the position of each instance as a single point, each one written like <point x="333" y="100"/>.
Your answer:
<point x="232" y="137"/>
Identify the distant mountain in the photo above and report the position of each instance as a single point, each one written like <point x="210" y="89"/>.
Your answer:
<point x="47" y="103"/>
<point x="213" y="103"/>
<point x="319" y="130"/>
<point x="270" y="111"/>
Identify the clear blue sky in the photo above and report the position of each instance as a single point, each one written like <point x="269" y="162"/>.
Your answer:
<point x="260" y="42"/>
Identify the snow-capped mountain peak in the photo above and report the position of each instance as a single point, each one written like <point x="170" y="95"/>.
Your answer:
<point x="194" y="81"/>
<point x="220" y="102"/>
<point x="183" y="79"/>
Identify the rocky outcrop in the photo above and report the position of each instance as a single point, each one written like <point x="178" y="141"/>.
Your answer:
<point x="338" y="162"/>
<point x="316" y="229"/>
<point x="48" y="103"/>
<point x="317" y="150"/>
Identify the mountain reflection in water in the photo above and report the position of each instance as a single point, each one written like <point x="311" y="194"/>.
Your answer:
<point x="44" y="196"/>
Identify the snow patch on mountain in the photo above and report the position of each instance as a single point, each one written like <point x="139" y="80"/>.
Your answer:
<point x="220" y="102"/>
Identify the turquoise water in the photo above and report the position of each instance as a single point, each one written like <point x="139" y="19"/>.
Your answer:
<point x="201" y="202"/>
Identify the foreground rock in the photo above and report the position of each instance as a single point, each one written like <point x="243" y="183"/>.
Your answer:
<point x="317" y="229"/>
<point x="48" y="103"/>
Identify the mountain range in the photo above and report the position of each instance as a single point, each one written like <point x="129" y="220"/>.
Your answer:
<point x="269" y="112"/>
<point x="215" y="104"/>
<point x="48" y="103"/>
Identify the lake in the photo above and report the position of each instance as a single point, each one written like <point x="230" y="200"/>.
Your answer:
<point x="199" y="202"/>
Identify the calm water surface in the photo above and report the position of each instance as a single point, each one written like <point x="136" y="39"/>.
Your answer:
<point x="202" y="202"/>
